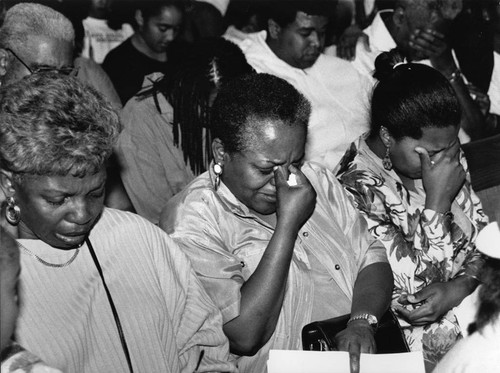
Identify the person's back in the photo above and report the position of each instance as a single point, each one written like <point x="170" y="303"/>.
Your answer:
<point x="165" y="139"/>
<point x="291" y="49"/>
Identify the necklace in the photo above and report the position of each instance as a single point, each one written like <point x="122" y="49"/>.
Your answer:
<point x="44" y="262"/>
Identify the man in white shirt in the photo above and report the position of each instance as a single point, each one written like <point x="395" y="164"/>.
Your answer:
<point x="291" y="49"/>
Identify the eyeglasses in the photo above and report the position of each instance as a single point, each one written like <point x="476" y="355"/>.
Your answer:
<point x="65" y="70"/>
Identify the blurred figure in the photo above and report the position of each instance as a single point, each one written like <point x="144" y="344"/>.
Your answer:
<point x="204" y="19"/>
<point x="479" y="352"/>
<point x="100" y="38"/>
<point x="419" y="28"/>
<point x="147" y="51"/>
<point x="35" y="38"/>
<point x="166" y="138"/>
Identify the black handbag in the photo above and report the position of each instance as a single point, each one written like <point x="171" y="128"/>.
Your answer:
<point x="319" y="335"/>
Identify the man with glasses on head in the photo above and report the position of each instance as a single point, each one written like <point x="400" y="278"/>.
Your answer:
<point x="35" y="38"/>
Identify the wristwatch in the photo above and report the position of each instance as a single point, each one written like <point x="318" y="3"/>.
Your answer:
<point x="372" y="320"/>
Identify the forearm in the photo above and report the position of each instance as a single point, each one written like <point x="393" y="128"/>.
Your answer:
<point x="262" y="295"/>
<point x="463" y="286"/>
<point x="373" y="290"/>
<point x="473" y="122"/>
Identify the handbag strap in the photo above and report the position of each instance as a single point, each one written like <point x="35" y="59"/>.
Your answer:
<point x="112" y="304"/>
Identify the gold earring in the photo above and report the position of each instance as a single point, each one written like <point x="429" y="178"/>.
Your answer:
<point x="218" y="171"/>
<point x="13" y="211"/>
<point x="386" y="161"/>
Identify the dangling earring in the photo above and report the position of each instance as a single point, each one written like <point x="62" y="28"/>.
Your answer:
<point x="386" y="161"/>
<point x="218" y="172"/>
<point x="12" y="212"/>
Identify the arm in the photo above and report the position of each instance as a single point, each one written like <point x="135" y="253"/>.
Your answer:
<point x="432" y="44"/>
<point x="196" y="320"/>
<point x="250" y="308"/>
<point x="372" y="295"/>
<point x="262" y="294"/>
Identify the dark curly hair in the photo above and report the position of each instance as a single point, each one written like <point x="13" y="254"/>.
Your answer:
<point x="285" y="12"/>
<point x="409" y="97"/>
<point x="245" y="103"/>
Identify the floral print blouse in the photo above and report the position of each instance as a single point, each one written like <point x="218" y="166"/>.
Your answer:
<point x="423" y="246"/>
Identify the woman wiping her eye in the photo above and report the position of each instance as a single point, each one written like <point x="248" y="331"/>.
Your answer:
<point x="275" y="256"/>
<point x="409" y="180"/>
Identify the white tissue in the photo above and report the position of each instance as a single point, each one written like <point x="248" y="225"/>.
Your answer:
<point x="292" y="180"/>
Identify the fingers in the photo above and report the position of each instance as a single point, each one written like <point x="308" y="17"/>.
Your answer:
<point x="425" y="159"/>
<point x="354" y="358"/>
<point x="366" y="42"/>
<point x="405" y="314"/>
<point x="280" y="175"/>
<point x="428" y="41"/>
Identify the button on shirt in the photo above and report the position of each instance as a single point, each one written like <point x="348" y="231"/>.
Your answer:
<point x="218" y="232"/>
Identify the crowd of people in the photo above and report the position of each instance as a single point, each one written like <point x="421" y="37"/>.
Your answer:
<point x="186" y="184"/>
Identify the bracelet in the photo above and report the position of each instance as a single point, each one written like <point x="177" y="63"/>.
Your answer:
<point x="449" y="215"/>
<point x="455" y="75"/>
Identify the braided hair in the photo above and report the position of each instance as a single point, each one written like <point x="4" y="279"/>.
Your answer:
<point x="191" y="86"/>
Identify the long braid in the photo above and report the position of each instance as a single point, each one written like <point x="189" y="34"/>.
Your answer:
<point x="188" y="89"/>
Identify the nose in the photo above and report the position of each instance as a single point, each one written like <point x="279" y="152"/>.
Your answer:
<point x="170" y="35"/>
<point x="81" y="212"/>
<point x="314" y="39"/>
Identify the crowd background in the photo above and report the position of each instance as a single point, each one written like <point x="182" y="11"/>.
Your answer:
<point x="194" y="115"/>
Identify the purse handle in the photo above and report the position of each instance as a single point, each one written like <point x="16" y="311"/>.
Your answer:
<point x="112" y="304"/>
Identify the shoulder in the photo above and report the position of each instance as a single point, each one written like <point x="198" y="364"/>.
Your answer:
<point x="122" y="224"/>
<point x="119" y="52"/>
<point x="335" y="65"/>
<point x="197" y="200"/>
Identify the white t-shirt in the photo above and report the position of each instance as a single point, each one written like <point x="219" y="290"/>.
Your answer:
<point x="100" y="38"/>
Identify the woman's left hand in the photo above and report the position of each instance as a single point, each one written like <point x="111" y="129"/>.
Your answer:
<point x="432" y="302"/>
<point x="357" y="338"/>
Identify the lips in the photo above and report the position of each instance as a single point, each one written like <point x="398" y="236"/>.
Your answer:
<point x="73" y="237"/>
<point x="269" y="197"/>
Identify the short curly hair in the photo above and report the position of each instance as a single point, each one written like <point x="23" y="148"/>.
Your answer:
<point x="245" y="103"/>
<point x="55" y="125"/>
<point x="24" y="20"/>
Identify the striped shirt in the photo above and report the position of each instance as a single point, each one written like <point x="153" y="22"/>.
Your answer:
<point x="166" y="316"/>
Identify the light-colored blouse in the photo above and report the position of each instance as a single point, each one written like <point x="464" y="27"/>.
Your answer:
<point x="166" y="316"/>
<point x="422" y="245"/>
<point x="225" y="242"/>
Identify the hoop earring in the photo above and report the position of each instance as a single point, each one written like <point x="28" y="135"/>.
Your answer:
<point x="12" y="212"/>
<point x="386" y="161"/>
<point x="218" y="171"/>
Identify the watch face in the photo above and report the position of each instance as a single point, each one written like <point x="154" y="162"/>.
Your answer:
<point x="372" y="320"/>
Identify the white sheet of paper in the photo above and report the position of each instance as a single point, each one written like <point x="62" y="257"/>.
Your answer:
<point x="292" y="361"/>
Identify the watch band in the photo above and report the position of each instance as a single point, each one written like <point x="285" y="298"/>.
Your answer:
<point x="372" y="320"/>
